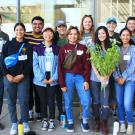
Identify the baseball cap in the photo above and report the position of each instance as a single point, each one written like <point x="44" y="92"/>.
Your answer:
<point x="60" y="22"/>
<point x="111" y="19"/>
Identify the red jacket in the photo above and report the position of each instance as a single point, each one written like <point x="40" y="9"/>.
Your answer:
<point x="81" y="66"/>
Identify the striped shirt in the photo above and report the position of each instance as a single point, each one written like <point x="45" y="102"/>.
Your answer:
<point x="33" y="39"/>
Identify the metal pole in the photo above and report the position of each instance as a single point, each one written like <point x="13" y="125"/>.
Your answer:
<point x="94" y="12"/>
<point x="18" y="11"/>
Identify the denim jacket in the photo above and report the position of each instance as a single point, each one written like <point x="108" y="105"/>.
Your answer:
<point x="129" y="72"/>
<point x="39" y="63"/>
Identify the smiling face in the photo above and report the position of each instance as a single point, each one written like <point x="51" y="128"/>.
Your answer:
<point x="87" y="24"/>
<point x="111" y="26"/>
<point x="102" y="35"/>
<point x="131" y="25"/>
<point x="62" y="29"/>
<point x="19" y="32"/>
<point x="125" y="37"/>
<point x="37" y="26"/>
<point x="48" y="36"/>
<point x="73" y="36"/>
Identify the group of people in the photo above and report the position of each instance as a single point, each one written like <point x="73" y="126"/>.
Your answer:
<point x="40" y="69"/>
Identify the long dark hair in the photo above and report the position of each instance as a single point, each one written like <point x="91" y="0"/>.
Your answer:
<point x="107" y="43"/>
<point x="130" y="41"/>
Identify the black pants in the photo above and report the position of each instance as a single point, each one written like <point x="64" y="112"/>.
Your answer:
<point x="33" y="96"/>
<point x="47" y="99"/>
<point x="59" y="99"/>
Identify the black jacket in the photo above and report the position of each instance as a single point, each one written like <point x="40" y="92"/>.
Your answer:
<point x="23" y="66"/>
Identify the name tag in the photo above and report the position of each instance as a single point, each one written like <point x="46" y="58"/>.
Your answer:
<point x="48" y="66"/>
<point x="79" y="52"/>
<point x="48" y="49"/>
<point x="127" y="57"/>
<point x="22" y="57"/>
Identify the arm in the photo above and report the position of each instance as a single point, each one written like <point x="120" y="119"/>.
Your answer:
<point x="36" y="69"/>
<point x="60" y="68"/>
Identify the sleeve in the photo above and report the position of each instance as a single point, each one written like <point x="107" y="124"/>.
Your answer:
<point x="36" y="69"/>
<point x="28" y="67"/>
<point x="87" y="66"/>
<point x="3" y="56"/>
<point x="116" y="73"/>
<point x="55" y="75"/>
<point x="131" y="65"/>
<point x="61" y="72"/>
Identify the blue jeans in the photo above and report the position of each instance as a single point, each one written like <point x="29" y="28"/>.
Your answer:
<point x="20" y="90"/>
<point x="125" y="97"/>
<point x="1" y="90"/>
<point x="100" y="98"/>
<point x="76" y="81"/>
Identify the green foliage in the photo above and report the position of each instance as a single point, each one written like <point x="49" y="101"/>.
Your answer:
<point x="104" y="62"/>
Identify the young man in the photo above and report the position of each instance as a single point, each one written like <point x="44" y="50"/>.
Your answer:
<point x="3" y="39"/>
<point x="34" y="38"/>
<point x="130" y="24"/>
<point x="60" y="40"/>
<point x="111" y="25"/>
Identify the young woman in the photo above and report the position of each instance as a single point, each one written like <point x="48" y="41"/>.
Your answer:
<point x="86" y="30"/>
<point x="16" y="77"/>
<point x="45" y="68"/>
<point x="125" y="81"/>
<point x="100" y="98"/>
<point x="75" y="77"/>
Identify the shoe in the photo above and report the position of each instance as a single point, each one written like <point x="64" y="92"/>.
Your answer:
<point x="51" y="126"/>
<point x="70" y="128"/>
<point x="122" y="128"/>
<point x="31" y="116"/>
<point x="38" y="117"/>
<point x="1" y="127"/>
<point x="13" y="130"/>
<point x="85" y="127"/>
<point x="44" y="124"/>
<point x="130" y="129"/>
<point x="26" y="127"/>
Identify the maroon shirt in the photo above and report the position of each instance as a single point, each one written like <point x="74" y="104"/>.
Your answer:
<point x="81" y="65"/>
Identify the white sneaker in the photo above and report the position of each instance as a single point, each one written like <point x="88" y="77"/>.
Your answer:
<point x="130" y="129"/>
<point x="26" y="127"/>
<point x="13" y="130"/>
<point x="122" y="128"/>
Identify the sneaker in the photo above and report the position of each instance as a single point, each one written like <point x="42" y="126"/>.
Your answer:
<point x="38" y="117"/>
<point x="130" y="129"/>
<point x="31" y="116"/>
<point x="44" y="124"/>
<point x="51" y="126"/>
<point x="122" y="128"/>
<point x="85" y="127"/>
<point x="1" y="127"/>
<point x="13" y="130"/>
<point x="26" y="127"/>
<point x="70" y="128"/>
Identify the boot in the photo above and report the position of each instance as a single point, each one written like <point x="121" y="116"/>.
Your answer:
<point x="104" y="127"/>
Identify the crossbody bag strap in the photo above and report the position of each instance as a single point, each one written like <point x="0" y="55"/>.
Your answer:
<point x="20" y="48"/>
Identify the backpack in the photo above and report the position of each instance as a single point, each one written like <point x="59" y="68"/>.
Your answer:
<point x="70" y="59"/>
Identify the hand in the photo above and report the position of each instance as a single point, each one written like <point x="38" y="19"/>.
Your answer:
<point x="120" y="81"/>
<point x="45" y="81"/>
<point x="10" y="78"/>
<point x="85" y="85"/>
<point x="18" y="78"/>
<point x="50" y="81"/>
<point x="103" y="78"/>
<point x="64" y="89"/>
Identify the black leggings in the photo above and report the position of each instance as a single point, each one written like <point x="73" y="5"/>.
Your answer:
<point x="47" y="98"/>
